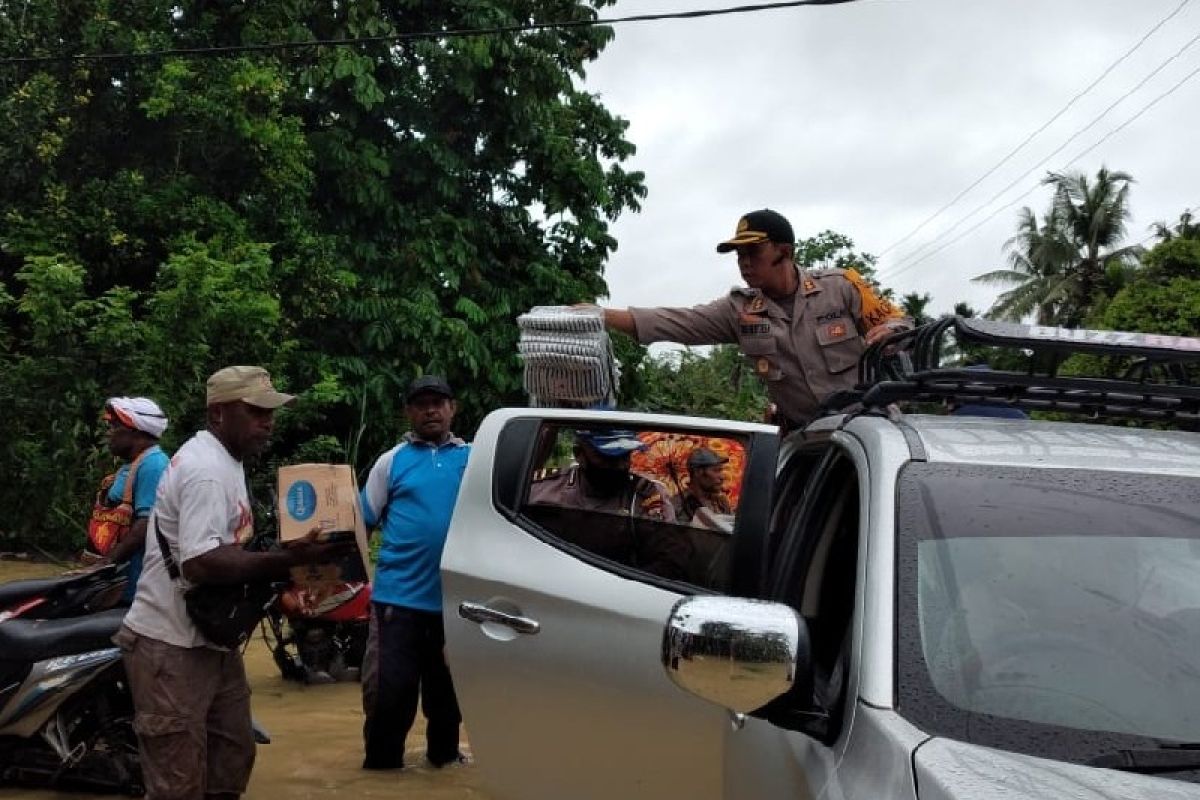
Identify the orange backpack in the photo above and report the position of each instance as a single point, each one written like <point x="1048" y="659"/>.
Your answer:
<point x="108" y="524"/>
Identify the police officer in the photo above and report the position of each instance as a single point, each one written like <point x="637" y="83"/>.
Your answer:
<point x="601" y="481"/>
<point x="706" y="486"/>
<point x="802" y="331"/>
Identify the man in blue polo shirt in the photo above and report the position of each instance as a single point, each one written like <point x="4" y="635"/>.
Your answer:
<point x="409" y="497"/>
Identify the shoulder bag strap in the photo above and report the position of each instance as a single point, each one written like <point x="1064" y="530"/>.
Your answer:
<point x="127" y="492"/>
<point x="168" y="559"/>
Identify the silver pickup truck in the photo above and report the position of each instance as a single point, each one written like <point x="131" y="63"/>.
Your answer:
<point x="900" y="606"/>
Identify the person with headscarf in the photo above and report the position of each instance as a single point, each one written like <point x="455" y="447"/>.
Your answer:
<point x="134" y="427"/>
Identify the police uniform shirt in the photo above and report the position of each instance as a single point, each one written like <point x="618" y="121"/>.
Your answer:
<point x="802" y="352"/>
<point x="654" y="548"/>
<point x="644" y="496"/>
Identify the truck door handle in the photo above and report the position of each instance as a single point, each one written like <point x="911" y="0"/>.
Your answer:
<point x="477" y="612"/>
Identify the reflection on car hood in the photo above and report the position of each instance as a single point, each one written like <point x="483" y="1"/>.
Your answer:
<point x="950" y="770"/>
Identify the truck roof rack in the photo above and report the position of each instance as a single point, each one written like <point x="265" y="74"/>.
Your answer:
<point x="907" y="367"/>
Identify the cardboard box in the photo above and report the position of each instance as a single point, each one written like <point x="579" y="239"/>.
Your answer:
<point x="323" y="496"/>
<point x="317" y="496"/>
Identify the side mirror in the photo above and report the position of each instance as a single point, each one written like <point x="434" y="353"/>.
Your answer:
<point x="735" y="652"/>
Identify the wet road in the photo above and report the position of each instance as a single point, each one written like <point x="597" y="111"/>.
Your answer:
<point x="316" y="743"/>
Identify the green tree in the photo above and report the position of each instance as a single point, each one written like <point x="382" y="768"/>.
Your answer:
<point x="916" y="306"/>
<point x="1094" y="213"/>
<point x="714" y="384"/>
<point x="346" y="216"/>
<point x="1067" y="267"/>
<point x="1163" y="298"/>
<point x="1038" y="256"/>
<point x="1186" y="228"/>
<point x="832" y="250"/>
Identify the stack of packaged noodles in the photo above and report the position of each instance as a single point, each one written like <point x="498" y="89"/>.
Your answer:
<point x="568" y="357"/>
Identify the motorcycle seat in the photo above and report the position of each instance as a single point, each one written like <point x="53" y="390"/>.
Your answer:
<point x="40" y="639"/>
<point x="14" y="592"/>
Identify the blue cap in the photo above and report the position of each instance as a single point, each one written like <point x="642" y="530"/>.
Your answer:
<point x="611" y="442"/>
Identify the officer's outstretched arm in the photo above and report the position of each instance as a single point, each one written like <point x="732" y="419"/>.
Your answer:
<point x="617" y="319"/>
<point x="620" y="319"/>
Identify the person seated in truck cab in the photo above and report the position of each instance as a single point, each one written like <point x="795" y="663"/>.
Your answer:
<point x="703" y="502"/>
<point x="598" y="503"/>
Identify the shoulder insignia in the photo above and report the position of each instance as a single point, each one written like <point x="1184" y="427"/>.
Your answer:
<point x="809" y="279"/>
<point x="652" y="506"/>
<point x="546" y="474"/>
<point x="876" y="310"/>
<point x="756" y="305"/>
<point x="651" y="497"/>
<point x="645" y="486"/>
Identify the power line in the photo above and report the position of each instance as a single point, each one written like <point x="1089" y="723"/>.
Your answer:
<point x="934" y="243"/>
<point x="209" y="52"/>
<point x="905" y="267"/>
<point x="1035" y="133"/>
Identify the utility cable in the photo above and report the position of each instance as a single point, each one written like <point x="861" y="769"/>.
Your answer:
<point x="954" y="201"/>
<point x="208" y="52"/>
<point x="934" y="244"/>
<point x="905" y="267"/>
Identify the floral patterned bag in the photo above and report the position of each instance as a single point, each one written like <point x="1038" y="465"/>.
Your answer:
<point x="108" y="523"/>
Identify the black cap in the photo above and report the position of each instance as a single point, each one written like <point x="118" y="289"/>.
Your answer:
<point x="703" y="457"/>
<point x="434" y="384"/>
<point x="763" y="225"/>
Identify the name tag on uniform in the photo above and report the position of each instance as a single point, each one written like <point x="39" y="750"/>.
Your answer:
<point x="756" y="328"/>
<point x="753" y="325"/>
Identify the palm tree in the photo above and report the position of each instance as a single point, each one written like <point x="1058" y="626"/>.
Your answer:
<point x="915" y="306"/>
<point x="1186" y="228"/>
<point x="1038" y="260"/>
<point x="1093" y="214"/>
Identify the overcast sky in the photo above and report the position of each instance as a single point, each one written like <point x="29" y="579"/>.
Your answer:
<point x="866" y="118"/>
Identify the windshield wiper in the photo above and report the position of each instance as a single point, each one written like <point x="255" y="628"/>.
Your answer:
<point x="1168" y="757"/>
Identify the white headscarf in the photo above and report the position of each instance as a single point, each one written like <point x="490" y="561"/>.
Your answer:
<point x="139" y="413"/>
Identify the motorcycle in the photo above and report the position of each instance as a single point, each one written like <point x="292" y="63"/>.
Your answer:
<point x="66" y="716"/>
<point x="322" y="642"/>
<point x="72" y="594"/>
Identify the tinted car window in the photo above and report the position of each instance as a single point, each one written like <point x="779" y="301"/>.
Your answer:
<point x="660" y="502"/>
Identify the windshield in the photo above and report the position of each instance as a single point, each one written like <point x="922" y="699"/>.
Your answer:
<point x="1055" y="612"/>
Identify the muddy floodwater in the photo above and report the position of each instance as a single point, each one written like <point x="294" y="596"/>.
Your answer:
<point x="316" y="746"/>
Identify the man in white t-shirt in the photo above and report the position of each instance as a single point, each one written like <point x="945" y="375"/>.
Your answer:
<point x="191" y="698"/>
